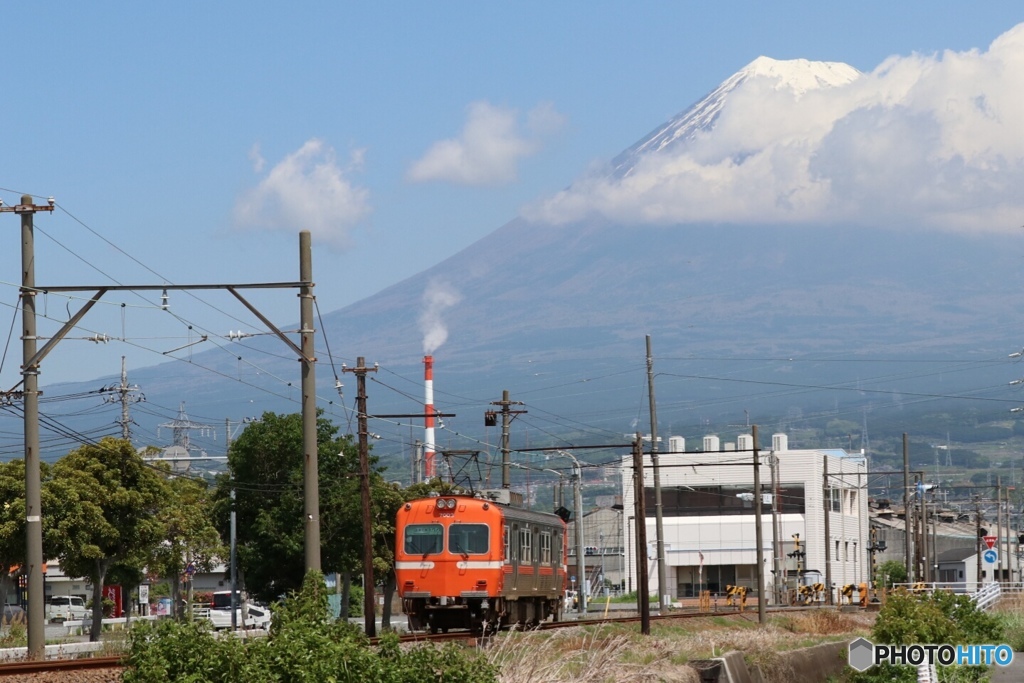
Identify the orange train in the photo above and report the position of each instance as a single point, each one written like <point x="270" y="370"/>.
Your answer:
<point x="467" y="562"/>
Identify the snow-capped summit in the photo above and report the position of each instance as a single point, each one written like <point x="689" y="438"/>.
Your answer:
<point x="800" y="76"/>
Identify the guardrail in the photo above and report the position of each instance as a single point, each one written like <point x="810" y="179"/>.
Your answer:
<point x="988" y="595"/>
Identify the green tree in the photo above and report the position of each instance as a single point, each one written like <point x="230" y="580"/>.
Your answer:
<point x="190" y="534"/>
<point x="12" y="522"/>
<point x="891" y="572"/>
<point x="266" y="470"/>
<point x="105" y="504"/>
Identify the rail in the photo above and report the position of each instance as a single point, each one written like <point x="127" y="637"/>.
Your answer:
<point x="988" y="595"/>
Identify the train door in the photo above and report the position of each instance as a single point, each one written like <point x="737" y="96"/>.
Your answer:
<point x="512" y="581"/>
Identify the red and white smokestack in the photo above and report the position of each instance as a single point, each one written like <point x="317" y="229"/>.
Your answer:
<point x="428" y="416"/>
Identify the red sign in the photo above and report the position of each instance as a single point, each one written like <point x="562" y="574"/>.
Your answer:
<point x="990" y="541"/>
<point x="113" y="593"/>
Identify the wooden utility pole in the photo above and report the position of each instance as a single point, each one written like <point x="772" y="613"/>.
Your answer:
<point x="369" y="605"/>
<point x="762" y="616"/>
<point x="640" y="507"/>
<point x="659" y="524"/>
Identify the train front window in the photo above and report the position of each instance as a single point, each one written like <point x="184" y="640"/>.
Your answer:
<point x="466" y="539"/>
<point x="424" y="539"/>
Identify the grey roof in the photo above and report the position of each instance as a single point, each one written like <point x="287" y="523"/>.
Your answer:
<point x="956" y="554"/>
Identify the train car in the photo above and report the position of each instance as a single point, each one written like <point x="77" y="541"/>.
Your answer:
<point x="471" y="562"/>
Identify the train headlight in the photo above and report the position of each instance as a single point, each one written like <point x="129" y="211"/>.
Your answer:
<point x="451" y="503"/>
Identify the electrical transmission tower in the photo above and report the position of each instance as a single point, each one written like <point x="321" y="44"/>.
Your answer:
<point x="182" y="448"/>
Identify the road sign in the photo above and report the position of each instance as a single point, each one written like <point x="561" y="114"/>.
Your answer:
<point x="990" y="541"/>
<point x="990" y="556"/>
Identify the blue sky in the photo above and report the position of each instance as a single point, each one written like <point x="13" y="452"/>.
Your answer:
<point x="189" y="142"/>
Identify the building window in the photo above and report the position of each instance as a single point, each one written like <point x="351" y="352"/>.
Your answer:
<point x="834" y="500"/>
<point x="720" y="500"/>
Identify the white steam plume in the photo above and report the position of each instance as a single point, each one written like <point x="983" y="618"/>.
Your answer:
<point x="437" y="297"/>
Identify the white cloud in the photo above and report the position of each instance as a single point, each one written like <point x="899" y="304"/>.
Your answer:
<point x="924" y="140"/>
<point x="488" y="150"/>
<point x="307" y="190"/>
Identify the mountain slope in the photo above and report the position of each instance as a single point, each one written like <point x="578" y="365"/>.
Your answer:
<point x="544" y="306"/>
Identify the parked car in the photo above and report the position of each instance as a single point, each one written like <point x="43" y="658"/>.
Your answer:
<point x="253" y="615"/>
<point x="67" y="608"/>
<point x="14" y="614"/>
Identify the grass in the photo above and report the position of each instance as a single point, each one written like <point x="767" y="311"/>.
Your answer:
<point x="612" y="653"/>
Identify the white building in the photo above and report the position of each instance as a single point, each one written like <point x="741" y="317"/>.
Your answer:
<point x="708" y="511"/>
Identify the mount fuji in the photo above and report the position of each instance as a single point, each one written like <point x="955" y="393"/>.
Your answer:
<point x="539" y="304"/>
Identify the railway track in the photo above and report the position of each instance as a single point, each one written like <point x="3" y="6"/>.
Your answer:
<point x="57" y="666"/>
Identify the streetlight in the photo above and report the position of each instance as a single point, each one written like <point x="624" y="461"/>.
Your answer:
<point x="561" y="478"/>
<point x="578" y="514"/>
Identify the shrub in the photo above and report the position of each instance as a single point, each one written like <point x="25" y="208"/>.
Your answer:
<point x="305" y="645"/>
<point x="941" y="617"/>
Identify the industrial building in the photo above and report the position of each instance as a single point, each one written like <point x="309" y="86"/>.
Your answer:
<point x="709" y="517"/>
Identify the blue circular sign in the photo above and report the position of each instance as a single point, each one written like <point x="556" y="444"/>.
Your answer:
<point x="990" y="556"/>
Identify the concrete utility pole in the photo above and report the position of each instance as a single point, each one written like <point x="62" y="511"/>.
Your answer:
<point x="30" y="380"/>
<point x="663" y="592"/>
<point x="977" y="541"/>
<point x="125" y="396"/>
<point x="507" y="415"/>
<point x="773" y="463"/>
<point x="369" y="607"/>
<point x="907" y="517"/>
<point x="762" y="615"/>
<point x="30" y="383"/>
<point x="310" y="471"/>
<point x="581" y="564"/>
<point x="999" y="527"/>
<point x="827" y="495"/>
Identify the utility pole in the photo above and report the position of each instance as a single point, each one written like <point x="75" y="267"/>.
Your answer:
<point x="977" y="541"/>
<point x="773" y="463"/>
<point x="663" y="592"/>
<point x="307" y="356"/>
<point x="827" y="495"/>
<point x="507" y="414"/>
<point x="234" y="564"/>
<point x="125" y="397"/>
<point x="30" y="371"/>
<point x="907" y="517"/>
<point x="644" y="606"/>
<point x="369" y="607"/>
<point x="30" y="382"/>
<point x="999" y="526"/>
<point x="762" y="615"/>
<point x="581" y="564"/>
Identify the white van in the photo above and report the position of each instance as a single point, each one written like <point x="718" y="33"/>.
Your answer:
<point x="67" y="608"/>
